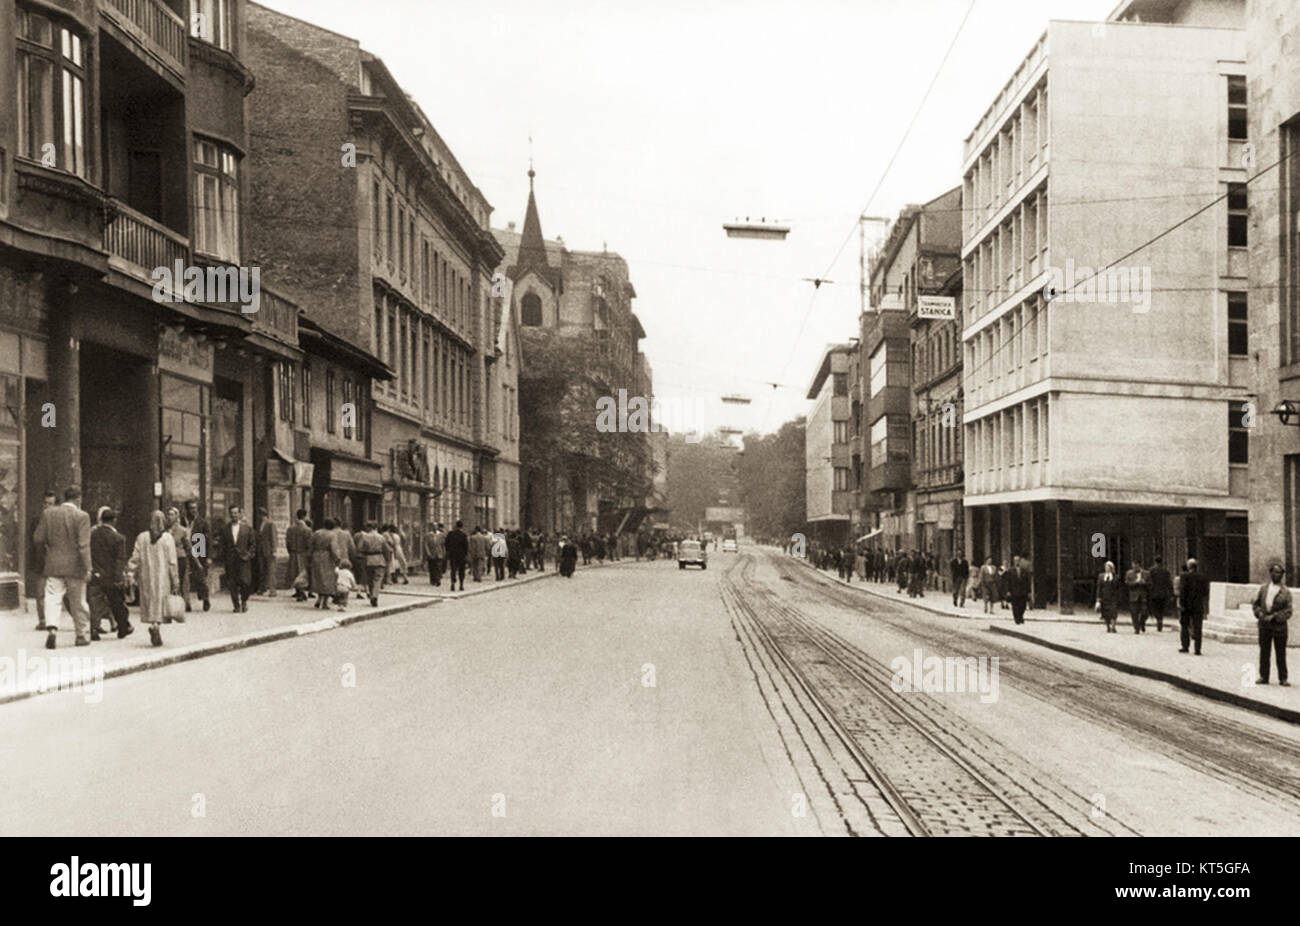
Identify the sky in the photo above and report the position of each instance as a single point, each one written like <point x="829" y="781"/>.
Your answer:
<point x="654" y="122"/>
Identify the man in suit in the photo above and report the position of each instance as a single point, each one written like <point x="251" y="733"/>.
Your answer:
<point x="1273" y="609"/>
<point x="1138" y="582"/>
<point x="435" y="551"/>
<point x="457" y="551"/>
<point x="199" y="528"/>
<point x="1161" y="591"/>
<point x="107" y="591"/>
<point x="36" y="560"/>
<point x="266" y="554"/>
<point x="1194" y="603"/>
<point x="960" y="571"/>
<point x="64" y="533"/>
<point x="1016" y="583"/>
<point x="297" y="538"/>
<point x="480" y="548"/>
<point x="238" y="548"/>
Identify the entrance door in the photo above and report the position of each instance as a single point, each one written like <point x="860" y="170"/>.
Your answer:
<point x="119" y="448"/>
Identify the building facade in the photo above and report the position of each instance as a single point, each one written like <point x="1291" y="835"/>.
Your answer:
<point x="137" y="331"/>
<point x="364" y="209"/>
<point x="579" y="340"/>
<point x="828" y="463"/>
<point x="1105" y="403"/>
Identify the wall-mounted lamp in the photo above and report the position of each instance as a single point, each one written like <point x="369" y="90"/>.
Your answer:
<point x="1287" y="412"/>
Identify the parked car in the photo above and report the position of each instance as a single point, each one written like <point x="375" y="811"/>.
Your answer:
<point x="729" y="545"/>
<point x="692" y="552"/>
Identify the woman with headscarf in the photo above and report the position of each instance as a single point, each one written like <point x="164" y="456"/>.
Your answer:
<point x="181" y="538"/>
<point x="322" y="548"/>
<point x="1108" y="587"/>
<point x="153" y="564"/>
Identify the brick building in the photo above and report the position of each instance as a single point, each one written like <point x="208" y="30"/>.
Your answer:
<point x="362" y="207"/>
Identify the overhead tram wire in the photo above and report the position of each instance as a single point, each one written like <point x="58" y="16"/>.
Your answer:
<point x="1141" y="247"/>
<point x="881" y="182"/>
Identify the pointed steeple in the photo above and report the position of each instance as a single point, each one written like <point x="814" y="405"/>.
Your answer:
<point x="532" y="246"/>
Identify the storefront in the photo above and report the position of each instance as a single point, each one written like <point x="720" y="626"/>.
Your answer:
<point x="347" y="488"/>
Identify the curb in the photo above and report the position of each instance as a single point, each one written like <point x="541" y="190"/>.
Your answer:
<point x="214" y="648"/>
<point x="1205" y="691"/>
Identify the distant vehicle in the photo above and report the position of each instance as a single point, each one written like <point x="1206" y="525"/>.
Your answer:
<point x="692" y="552"/>
<point x="729" y="545"/>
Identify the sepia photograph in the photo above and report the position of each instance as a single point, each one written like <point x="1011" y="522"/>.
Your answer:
<point x="699" y="418"/>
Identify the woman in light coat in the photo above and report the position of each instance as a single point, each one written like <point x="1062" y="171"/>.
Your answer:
<point x="153" y="564"/>
<point x="322" y="547"/>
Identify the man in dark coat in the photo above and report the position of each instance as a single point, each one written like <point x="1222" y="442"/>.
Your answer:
<point x="266" y="554"/>
<point x="514" y="554"/>
<point x="297" y="540"/>
<point x="238" y="549"/>
<point x="36" y="560"/>
<point x="1272" y="609"/>
<point x="107" y="591"/>
<point x="567" y="558"/>
<point x="959" y="569"/>
<point x="1194" y="594"/>
<point x="1016" y="581"/>
<point x="1161" y="591"/>
<point x="457" y="553"/>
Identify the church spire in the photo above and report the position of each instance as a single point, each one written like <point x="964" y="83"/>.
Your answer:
<point x="532" y="247"/>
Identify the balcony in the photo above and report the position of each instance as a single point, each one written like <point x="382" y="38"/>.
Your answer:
<point x="137" y="245"/>
<point x="277" y="318"/>
<point x="157" y="32"/>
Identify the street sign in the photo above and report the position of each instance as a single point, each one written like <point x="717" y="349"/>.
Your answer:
<point x="940" y="307"/>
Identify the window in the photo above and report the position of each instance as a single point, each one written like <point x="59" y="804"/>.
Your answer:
<point x="401" y="241"/>
<point x="841" y="479"/>
<point x="1237" y="215"/>
<point x="1237" y="327"/>
<point x="306" y="395"/>
<point x="377" y="220"/>
<point x="349" y="409"/>
<point x="216" y="189"/>
<point x="51" y="93"/>
<point x="841" y="432"/>
<point x="879" y="440"/>
<point x="840" y="383"/>
<point x="330" y="411"/>
<point x="287" y="398"/>
<point x="211" y="22"/>
<point x="1237" y="108"/>
<point x="1238" y="433"/>
<point x="425" y="291"/>
<point x="388" y="229"/>
<point x="530" y="310"/>
<point x="879" y="370"/>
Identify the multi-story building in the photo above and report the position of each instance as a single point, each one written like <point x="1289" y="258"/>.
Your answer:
<point x="1266" y="319"/>
<point x="579" y="341"/>
<point x="910" y="381"/>
<point x="123" y="161"/>
<point x="1105" y="400"/>
<point x="828" y="457"/>
<point x="503" y="409"/>
<point x="363" y="208"/>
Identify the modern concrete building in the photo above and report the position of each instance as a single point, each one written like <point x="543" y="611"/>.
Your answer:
<point x="829" y="486"/>
<point x="1105" y="413"/>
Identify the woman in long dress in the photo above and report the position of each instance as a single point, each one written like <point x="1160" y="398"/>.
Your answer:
<point x="322" y="549"/>
<point x="568" y="557"/>
<point x="1108" y="596"/>
<point x="153" y="564"/>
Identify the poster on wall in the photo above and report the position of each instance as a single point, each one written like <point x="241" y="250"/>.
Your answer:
<point x="280" y="509"/>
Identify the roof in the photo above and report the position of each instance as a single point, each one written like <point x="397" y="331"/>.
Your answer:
<point x="316" y="340"/>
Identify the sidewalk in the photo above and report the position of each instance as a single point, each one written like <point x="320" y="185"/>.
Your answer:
<point x="203" y="634"/>
<point x="1223" y="672"/>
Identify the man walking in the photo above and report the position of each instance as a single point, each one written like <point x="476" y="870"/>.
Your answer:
<point x="107" y="591"/>
<point x="500" y="550"/>
<point x="479" y="547"/>
<point x="1138" y="582"/>
<point x="297" y="538"/>
<point x="1273" y="609"/>
<point x="457" y="552"/>
<point x="960" y="570"/>
<point x="1194" y="602"/>
<point x="266" y="544"/>
<point x="1016" y="580"/>
<point x="36" y="560"/>
<point x="1161" y="590"/>
<point x="435" y="551"/>
<point x="198" y="529"/>
<point x="64" y="535"/>
<point x="370" y="547"/>
<point x="238" y="548"/>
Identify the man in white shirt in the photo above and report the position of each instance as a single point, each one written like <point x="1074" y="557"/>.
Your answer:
<point x="1272" y="610"/>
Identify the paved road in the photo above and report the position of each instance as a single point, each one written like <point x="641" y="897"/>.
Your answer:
<point x="615" y="702"/>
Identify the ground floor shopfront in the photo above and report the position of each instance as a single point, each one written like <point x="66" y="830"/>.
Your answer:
<point x="107" y="391"/>
<point x="1067" y="543"/>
